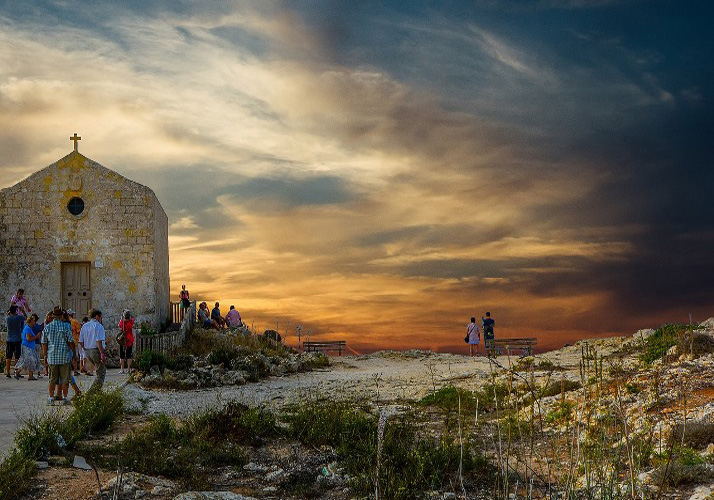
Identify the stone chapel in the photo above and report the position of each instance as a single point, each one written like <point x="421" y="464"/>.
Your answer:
<point x="79" y="235"/>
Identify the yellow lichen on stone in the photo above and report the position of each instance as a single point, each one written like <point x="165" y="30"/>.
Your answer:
<point x="117" y="264"/>
<point x="117" y="194"/>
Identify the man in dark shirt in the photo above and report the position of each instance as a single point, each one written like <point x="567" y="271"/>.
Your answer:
<point x="216" y="316"/>
<point x="15" y="323"/>
<point x="487" y="324"/>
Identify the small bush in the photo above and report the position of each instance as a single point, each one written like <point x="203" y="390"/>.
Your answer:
<point x="42" y="433"/>
<point x="222" y="355"/>
<point x="148" y="358"/>
<point x="684" y="466"/>
<point x="191" y="450"/>
<point x="447" y="398"/>
<point x="492" y="393"/>
<point x="410" y="462"/>
<point x="561" y="413"/>
<point x="37" y="438"/>
<point x="319" y="360"/>
<point x="146" y="329"/>
<point x="234" y="421"/>
<point x="666" y="336"/>
<point x="694" y="434"/>
<point x="182" y="362"/>
<point x="16" y="471"/>
<point x="93" y="413"/>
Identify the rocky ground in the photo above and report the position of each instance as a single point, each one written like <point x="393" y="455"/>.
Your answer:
<point x="600" y="386"/>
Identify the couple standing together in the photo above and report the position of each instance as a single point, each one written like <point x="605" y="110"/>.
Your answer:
<point x="473" y="334"/>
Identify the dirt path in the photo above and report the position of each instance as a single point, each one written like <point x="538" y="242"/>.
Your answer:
<point x="387" y="376"/>
<point x="21" y="398"/>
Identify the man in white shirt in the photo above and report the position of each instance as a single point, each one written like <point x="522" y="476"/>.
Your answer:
<point x="92" y="339"/>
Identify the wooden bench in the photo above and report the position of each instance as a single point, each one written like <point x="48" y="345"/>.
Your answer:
<point x="327" y="345"/>
<point x="524" y="346"/>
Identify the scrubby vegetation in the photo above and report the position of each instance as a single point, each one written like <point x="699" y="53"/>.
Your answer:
<point x="55" y="433"/>
<point x="405" y="462"/>
<point x="667" y="336"/>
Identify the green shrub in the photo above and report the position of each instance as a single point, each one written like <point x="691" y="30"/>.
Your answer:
<point x="41" y="433"/>
<point x="234" y="421"/>
<point x="447" y="398"/>
<point x="37" y="438"/>
<point x="666" y="336"/>
<point x="491" y="393"/>
<point x="182" y="362"/>
<point x="95" y="412"/>
<point x="16" y="470"/>
<point x="178" y="451"/>
<point x="410" y="462"/>
<point x="222" y="355"/>
<point x="683" y="466"/>
<point x="560" y="413"/>
<point x="148" y="358"/>
<point x="146" y="329"/>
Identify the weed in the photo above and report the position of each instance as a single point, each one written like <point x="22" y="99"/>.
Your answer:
<point x="694" y="434"/>
<point x="447" y="399"/>
<point x="148" y="358"/>
<point x="666" y="336"/>
<point x="352" y="432"/>
<point x="234" y="421"/>
<point x="16" y="470"/>
<point x="222" y="355"/>
<point x="42" y="433"/>
<point x="561" y="413"/>
<point x="681" y="465"/>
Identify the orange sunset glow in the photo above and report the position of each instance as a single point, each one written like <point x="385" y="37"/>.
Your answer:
<point x="381" y="173"/>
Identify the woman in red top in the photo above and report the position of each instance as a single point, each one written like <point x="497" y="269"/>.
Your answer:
<point x="126" y="327"/>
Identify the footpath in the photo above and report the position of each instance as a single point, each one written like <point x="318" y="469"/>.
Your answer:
<point x="20" y="399"/>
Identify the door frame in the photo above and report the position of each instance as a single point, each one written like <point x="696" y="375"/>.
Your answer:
<point x="62" y="280"/>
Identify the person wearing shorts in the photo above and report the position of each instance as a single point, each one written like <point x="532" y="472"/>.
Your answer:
<point x="58" y="346"/>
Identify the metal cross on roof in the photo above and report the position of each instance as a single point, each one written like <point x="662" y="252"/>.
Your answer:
<point x="75" y="138"/>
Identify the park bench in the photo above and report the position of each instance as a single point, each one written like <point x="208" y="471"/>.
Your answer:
<point x="326" y="345"/>
<point x="522" y="346"/>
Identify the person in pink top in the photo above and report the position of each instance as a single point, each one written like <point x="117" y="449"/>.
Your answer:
<point x="20" y="301"/>
<point x="126" y="326"/>
<point x="233" y="318"/>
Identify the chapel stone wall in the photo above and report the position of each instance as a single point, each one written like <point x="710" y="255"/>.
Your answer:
<point x="116" y="233"/>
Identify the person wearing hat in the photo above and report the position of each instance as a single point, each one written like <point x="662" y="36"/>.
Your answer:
<point x="76" y="327"/>
<point x="57" y="347"/>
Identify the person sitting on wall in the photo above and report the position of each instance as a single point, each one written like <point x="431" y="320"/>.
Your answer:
<point x="233" y="318"/>
<point x="204" y="319"/>
<point x="216" y="316"/>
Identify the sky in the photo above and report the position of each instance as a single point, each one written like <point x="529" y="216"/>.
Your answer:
<point x="382" y="171"/>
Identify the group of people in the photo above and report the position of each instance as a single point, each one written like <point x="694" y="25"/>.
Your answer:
<point x="216" y="320"/>
<point x="473" y="333"/>
<point x="67" y="346"/>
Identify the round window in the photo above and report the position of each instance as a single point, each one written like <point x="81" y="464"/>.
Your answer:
<point x="75" y="206"/>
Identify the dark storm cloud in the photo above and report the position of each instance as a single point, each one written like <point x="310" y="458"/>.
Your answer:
<point x="286" y="193"/>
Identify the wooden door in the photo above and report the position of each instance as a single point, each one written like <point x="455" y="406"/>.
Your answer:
<point x="76" y="290"/>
